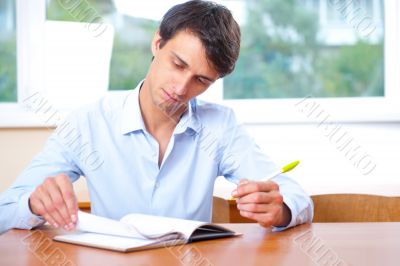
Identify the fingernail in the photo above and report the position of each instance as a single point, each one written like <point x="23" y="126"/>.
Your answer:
<point x="71" y="226"/>
<point x="55" y="225"/>
<point x="243" y="181"/>
<point x="73" y="218"/>
<point x="66" y="227"/>
<point x="234" y="193"/>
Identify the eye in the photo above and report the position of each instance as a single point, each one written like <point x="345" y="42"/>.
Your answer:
<point x="203" y="81"/>
<point x="178" y="65"/>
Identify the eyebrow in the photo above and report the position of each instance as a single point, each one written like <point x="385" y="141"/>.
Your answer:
<point x="187" y="65"/>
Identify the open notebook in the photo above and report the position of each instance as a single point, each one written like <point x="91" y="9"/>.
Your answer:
<point x="140" y="231"/>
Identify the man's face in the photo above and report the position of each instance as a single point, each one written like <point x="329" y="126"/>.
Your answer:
<point x="179" y="71"/>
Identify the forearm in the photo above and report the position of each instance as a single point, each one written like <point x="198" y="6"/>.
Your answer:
<point x="15" y="212"/>
<point x="14" y="202"/>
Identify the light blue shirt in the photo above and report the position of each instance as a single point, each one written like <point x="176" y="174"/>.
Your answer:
<point x="108" y="144"/>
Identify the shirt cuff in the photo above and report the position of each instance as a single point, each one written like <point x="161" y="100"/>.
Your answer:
<point x="293" y="217"/>
<point x="26" y="219"/>
<point x="298" y="217"/>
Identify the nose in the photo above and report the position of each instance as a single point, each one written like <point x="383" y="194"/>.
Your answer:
<point x="182" y="86"/>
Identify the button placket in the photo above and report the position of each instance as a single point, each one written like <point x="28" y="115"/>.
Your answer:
<point x="153" y="146"/>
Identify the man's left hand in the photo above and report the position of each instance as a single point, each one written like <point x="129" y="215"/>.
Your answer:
<point x="261" y="201"/>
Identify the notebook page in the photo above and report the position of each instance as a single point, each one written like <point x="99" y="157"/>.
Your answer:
<point x="96" y="224"/>
<point x="105" y="241"/>
<point x="155" y="226"/>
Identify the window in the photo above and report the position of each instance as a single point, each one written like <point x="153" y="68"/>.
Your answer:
<point x="8" y="55"/>
<point x="324" y="48"/>
<point x="133" y="33"/>
<point x="339" y="52"/>
<point x="134" y="25"/>
<point x="294" y="50"/>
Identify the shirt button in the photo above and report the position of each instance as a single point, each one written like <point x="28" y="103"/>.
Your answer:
<point x="157" y="184"/>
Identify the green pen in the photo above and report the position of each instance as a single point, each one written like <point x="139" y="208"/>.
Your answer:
<point x="284" y="169"/>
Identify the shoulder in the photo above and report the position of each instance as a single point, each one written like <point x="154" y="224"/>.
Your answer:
<point x="209" y="110"/>
<point x="214" y="114"/>
<point x="105" y="110"/>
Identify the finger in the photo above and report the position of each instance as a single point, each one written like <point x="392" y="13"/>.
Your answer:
<point x="58" y="201"/>
<point x="50" y="209"/>
<point x="67" y="191"/>
<point x="272" y="214"/>
<point x="37" y="205"/>
<point x="261" y="198"/>
<point x="234" y="192"/>
<point x="253" y="207"/>
<point x="243" y="181"/>
<point x="265" y="219"/>
<point x="50" y="220"/>
<point x="259" y="186"/>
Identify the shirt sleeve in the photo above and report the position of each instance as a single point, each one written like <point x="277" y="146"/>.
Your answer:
<point x="14" y="207"/>
<point x="241" y="158"/>
<point x="297" y="200"/>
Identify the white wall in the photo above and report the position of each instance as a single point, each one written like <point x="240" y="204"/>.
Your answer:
<point x="323" y="168"/>
<point x="18" y="147"/>
<point x="326" y="169"/>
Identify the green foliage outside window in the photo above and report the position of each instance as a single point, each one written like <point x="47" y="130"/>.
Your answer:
<point x="272" y="64"/>
<point x="275" y="64"/>
<point x="8" y="70"/>
<point x="8" y="55"/>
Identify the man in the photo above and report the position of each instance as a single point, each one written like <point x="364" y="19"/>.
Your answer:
<point x="158" y="149"/>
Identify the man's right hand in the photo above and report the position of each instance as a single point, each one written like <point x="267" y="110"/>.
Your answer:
<point x="56" y="202"/>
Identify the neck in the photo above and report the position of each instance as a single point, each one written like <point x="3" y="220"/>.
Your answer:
<point x="154" y="117"/>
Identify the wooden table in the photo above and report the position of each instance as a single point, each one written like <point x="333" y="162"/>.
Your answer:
<point x="316" y="244"/>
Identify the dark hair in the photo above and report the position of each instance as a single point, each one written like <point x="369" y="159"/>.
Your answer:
<point x="213" y="24"/>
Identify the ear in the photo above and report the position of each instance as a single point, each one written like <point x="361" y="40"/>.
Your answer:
<point x="155" y="44"/>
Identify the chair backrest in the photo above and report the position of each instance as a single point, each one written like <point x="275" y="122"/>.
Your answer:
<point x="84" y="206"/>
<point x="327" y="208"/>
<point x="355" y="208"/>
<point x="225" y="211"/>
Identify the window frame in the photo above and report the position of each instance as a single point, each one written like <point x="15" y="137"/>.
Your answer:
<point x="343" y="109"/>
<point x="31" y="19"/>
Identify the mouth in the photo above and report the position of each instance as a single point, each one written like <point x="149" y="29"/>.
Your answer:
<point x="168" y="97"/>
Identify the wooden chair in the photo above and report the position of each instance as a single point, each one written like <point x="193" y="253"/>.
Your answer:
<point x="225" y="211"/>
<point x="355" y="208"/>
<point x="327" y="208"/>
<point x="84" y="206"/>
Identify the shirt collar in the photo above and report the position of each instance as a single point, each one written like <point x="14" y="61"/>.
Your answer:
<point x="131" y="115"/>
<point x="189" y="119"/>
<point x="132" y="119"/>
